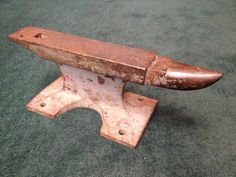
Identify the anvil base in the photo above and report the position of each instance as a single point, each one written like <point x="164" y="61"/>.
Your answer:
<point x="124" y="115"/>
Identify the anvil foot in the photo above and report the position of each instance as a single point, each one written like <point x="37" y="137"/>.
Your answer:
<point x="124" y="115"/>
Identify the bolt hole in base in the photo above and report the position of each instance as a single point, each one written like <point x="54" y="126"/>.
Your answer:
<point x="43" y="104"/>
<point x="121" y="132"/>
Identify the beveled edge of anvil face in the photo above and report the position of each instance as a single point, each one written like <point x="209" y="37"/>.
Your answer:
<point x="100" y="50"/>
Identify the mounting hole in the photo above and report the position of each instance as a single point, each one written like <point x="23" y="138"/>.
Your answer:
<point x="43" y="104"/>
<point x="121" y="132"/>
<point x="140" y="99"/>
<point x="40" y="35"/>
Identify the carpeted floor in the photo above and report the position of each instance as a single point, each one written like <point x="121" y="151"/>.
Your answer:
<point x="191" y="133"/>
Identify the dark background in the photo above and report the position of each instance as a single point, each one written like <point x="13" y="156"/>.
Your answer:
<point x="191" y="133"/>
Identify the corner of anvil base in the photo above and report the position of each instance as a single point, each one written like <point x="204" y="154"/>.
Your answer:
<point x="129" y="130"/>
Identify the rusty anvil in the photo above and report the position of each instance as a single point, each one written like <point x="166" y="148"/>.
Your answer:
<point x="94" y="74"/>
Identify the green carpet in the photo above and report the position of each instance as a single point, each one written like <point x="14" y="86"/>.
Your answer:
<point x="191" y="133"/>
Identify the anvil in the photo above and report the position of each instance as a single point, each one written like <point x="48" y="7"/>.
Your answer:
<point x="94" y="74"/>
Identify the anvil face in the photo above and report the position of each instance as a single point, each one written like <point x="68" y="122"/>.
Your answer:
<point x="94" y="74"/>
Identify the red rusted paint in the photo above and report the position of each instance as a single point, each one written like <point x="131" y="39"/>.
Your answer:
<point x="101" y="80"/>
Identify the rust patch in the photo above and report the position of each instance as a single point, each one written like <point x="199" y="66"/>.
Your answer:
<point x="111" y="77"/>
<point x="69" y="83"/>
<point x="101" y="80"/>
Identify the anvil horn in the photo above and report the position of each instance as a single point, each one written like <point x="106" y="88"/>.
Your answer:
<point x="167" y="73"/>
